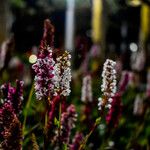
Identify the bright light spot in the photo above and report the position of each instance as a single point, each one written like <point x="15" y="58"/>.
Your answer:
<point x="111" y="143"/>
<point x="102" y="126"/>
<point x="133" y="47"/>
<point x="134" y="3"/>
<point x="32" y="59"/>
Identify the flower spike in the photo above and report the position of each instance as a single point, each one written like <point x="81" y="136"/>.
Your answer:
<point x="108" y="86"/>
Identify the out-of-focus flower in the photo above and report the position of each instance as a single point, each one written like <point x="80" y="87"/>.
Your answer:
<point x="6" y="115"/>
<point x="138" y="60"/>
<point x="5" y="52"/>
<point x="48" y="35"/>
<point x="44" y="66"/>
<point x="15" y="62"/>
<point x="54" y="104"/>
<point x="123" y="81"/>
<point x="11" y="128"/>
<point x="18" y="97"/>
<point x="114" y="113"/>
<point x="131" y="81"/>
<point x="108" y="86"/>
<point x="34" y="142"/>
<point x="13" y="95"/>
<point x="138" y="107"/>
<point x="119" y="66"/>
<point x="95" y="50"/>
<point x="148" y="84"/>
<point x="68" y="120"/>
<point x="63" y="74"/>
<point x="76" y="141"/>
<point x="86" y="95"/>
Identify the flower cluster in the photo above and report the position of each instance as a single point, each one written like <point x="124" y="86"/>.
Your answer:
<point x="52" y="78"/>
<point x="108" y="86"/>
<point x="13" y="95"/>
<point x="54" y="104"/>
<point x="114" y="113"/>
<point x="44" y="66"/>
<point x="34" y="142"/>
<point x="76" y="141"/>
<point x="63" y="74"/>
<point x="44" y="78"/>
<point x="11" y="128"/>
<point x="68" y="120"/>
<point x="48" y="35"/>
<point x="87" y="89"/>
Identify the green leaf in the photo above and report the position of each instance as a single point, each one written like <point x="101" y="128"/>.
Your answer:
<point x="64" y="146"/>
<point x="98" y="120"/>
<point x="56" y="122"/>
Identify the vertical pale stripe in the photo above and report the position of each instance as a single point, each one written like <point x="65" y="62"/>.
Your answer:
<point x="96" y="21"/>
<point x="69" y="26"/>
<point x="145" y="21"/>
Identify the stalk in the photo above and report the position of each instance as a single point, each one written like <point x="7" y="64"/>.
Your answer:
<point x="26" y="108"/>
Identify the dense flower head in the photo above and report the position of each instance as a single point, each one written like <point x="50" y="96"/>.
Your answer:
<point x="35" y="145"/>
<point x="44" y="66"/>
<point x="108" y="86"/>
<point x="68" y="120"/>
<point x="12" y="136"/>
<point x="44" y="78"/>
<point x="114" y="113"/>
<point x="6" y="115"/>
<point x="7" y="91"/>
<point x="63" y="74"/>
<point x="76" y="141"/>
<point x="13" y="95"/>
<point x="54" y="104"/>
<point x="10" y="128"/>
<point x="48" y="35"/>
<point x="52" y="78"/>
<point x="86" y="95"/>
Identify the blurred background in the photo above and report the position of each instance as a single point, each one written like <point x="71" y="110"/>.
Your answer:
<point x="118" y="28"/>
<point x="92" y="30"/>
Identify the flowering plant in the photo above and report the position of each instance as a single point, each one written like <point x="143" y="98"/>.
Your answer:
<point x="54" y="117"/>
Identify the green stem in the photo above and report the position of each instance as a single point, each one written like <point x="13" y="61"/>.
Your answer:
<point x="59" y="127"/>
<point x="138" y="130"/>
<point x="26" y="108"/>
<point x="45" y="131"/>
<point x="83" y="143"/>
<point x="33" y="128"/>
<point x="59" y="114"/>
<point x="45" y="123"/>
